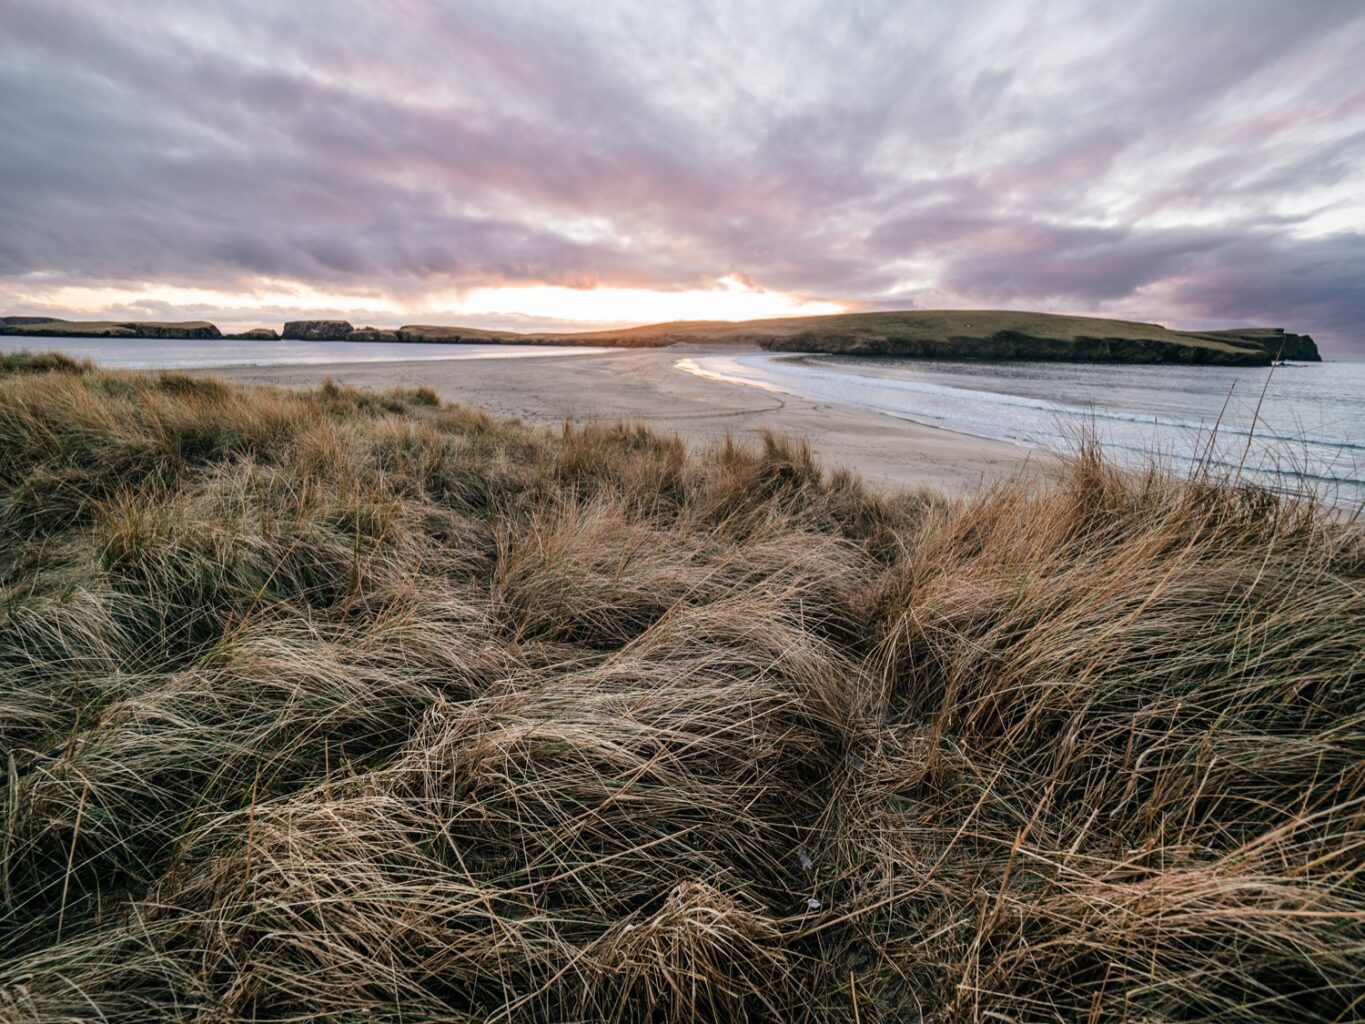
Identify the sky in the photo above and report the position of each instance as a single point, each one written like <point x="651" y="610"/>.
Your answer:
<point x="564" y="165"/>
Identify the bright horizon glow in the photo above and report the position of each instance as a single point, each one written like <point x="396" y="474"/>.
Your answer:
<point x="730" y="298"/>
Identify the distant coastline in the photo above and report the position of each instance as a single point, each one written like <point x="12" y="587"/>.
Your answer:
<point x="994" y="335"/>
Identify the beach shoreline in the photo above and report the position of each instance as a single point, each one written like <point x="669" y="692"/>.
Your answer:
<point x="644" y="385"/>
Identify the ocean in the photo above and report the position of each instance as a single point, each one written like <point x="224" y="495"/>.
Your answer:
<point x="211" y="353"/>
<point x="1288" y="428"/>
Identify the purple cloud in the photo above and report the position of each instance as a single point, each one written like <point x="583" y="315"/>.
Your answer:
<point x="1196" y="163"/>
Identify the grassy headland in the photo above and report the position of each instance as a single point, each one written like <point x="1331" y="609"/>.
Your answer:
<point x="1010" y="334"/>
<point x="38" y="327"/>
<point x="345" y="706"/>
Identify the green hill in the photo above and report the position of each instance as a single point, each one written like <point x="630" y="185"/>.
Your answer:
<point x="989" y="334"/>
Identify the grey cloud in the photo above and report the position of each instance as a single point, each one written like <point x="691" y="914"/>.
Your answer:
<point x="1114" y="156"/>
<point x="1271" y="279"/>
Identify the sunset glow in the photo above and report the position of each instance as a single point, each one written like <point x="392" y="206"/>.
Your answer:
<point x="536" y="307"/>
<point x="623" y="163"/>
<point x="730" y="299"/>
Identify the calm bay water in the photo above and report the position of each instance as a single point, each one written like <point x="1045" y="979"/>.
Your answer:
<point x="207" y="354"/>
<point x="1310" y="428"/>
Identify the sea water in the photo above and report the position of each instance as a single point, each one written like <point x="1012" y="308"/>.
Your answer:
<point x="1287" y="427"/>
<point x="219" y="353"/>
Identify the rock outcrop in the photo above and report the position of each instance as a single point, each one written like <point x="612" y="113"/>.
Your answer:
<point x="454" y="335"/>
<point x="317" y="330"/>
<point x="372" y="334"/>
<point x="189" y="329"/>
<point x="256" y="334"/>
<point x="1276" y="341"/>
<point x="1018" y="346"/>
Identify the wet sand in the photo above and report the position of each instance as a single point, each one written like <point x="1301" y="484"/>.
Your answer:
<point x="643" y="385"/>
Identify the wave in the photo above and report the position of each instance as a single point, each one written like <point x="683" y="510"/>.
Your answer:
<point x="991" y="397"/>
<point x="1041" y="423"/>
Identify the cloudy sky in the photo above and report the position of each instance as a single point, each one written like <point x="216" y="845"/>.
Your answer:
<point x="557" y="164"/>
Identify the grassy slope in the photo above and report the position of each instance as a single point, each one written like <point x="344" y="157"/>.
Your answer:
<point x="342" y="706"/>
<point x="101" y="328"/>
<point x="915" y="325"/>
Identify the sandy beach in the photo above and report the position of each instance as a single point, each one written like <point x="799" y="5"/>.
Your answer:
<point x="644" y="385"/>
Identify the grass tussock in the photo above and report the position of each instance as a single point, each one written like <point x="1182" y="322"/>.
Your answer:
<point x="342" y="706"/>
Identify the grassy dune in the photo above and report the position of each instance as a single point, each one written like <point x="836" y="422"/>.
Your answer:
<point x="340" y="706"/>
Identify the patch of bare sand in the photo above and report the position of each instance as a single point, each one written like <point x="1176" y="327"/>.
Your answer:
<point x="643" y="385"/>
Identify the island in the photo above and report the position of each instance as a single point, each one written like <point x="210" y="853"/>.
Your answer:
<point x="1003" y="335"/>
<point x="43" y="327"/>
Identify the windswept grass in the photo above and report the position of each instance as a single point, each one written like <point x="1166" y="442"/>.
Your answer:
<point x="343" y="706"/>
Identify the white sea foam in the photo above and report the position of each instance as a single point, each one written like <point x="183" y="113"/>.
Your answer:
<point x="1308" y="427"/>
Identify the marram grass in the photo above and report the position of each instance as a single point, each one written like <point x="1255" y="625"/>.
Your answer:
<point x="339" y="706"/>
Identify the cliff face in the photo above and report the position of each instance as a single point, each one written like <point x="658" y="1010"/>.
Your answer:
<point x="317" y="330"/>
<point x="373" y="334"/>
<point x="448" y="335"/>
<point x="1300" y="347"/>
<point x="193" y="329"/>
<point x="1276" y="341"/>
<point x="1016" y="345"/>
<point x="461" y="335"/>
<point x="108" y="328"/>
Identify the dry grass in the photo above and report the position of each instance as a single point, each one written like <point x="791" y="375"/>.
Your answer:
<point x="340" y="706"/>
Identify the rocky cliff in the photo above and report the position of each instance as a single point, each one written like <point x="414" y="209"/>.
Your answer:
<point x="317" y="330"/>
<point x="1276" y="341"/>
<point x="191" y="329"/>
<point x="1020" y="346"/>
<point x="108" y="328"/>
<point x="374" y="334"/>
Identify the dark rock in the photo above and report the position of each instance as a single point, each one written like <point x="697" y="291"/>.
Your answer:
<point x="111" y="329"/>
<point x="1016" y="345"/>
<point x="190" y="329"/>
<point x="1276" y="342"/>
<point x="317" y="330"/>
<point x="372" y="334"/>
<point x="446" y="335"/>
<point x="255" y="334"/>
